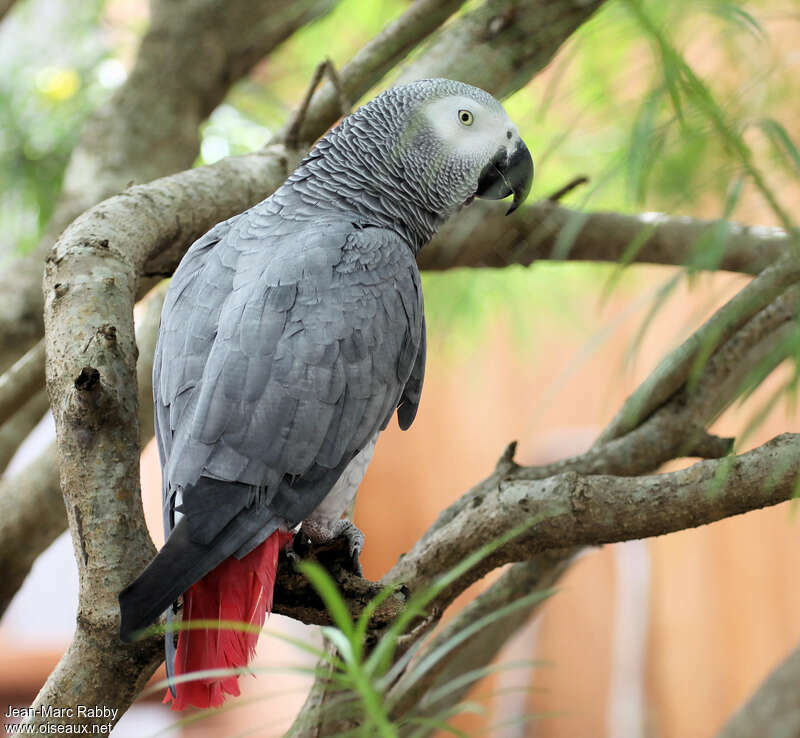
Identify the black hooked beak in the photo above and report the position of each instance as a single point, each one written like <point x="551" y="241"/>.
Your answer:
<point x="506" y="174"/>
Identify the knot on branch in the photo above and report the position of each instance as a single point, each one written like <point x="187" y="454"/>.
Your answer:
<point x="708" y="446"/>
<point x="498" y="23"/>
<point x="579" y="496"/>
<point x="89" y="405"/>
<point x="506" y="464"/>
<point x="87" y="380"/>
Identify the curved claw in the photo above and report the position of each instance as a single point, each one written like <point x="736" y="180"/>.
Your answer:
<point x="290" y="552"/>
<point x="321" y="534"/>
<point x="347" y="529"/>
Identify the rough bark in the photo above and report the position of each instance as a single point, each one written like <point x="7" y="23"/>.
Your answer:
<point x="501" y="44"/>
<point x="31" y="502"/>
<point x="483" y="237"/>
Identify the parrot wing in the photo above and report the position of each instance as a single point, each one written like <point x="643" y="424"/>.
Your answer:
<point x="278" y="385"/>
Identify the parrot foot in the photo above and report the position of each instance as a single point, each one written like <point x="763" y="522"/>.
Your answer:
<point x="322" y="535"/>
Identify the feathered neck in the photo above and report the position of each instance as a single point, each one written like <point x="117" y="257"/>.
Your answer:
<point x="359" y="169"/>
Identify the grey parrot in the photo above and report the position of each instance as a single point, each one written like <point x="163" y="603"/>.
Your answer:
<point x="290" y="334"/>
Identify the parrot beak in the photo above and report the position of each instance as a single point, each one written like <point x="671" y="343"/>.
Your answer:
<point x="507" y="174"/>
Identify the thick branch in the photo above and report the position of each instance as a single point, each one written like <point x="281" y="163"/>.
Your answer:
<point x="501" y="44"/>
<point x="31" y="505"/>
<point x="574" y="510"/>
<point x="192" y="53"/>
<point x="32" y="518"/>
<point x="483" y="236"/>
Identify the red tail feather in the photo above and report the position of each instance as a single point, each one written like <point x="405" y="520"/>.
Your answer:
<point x="239" y="590"/>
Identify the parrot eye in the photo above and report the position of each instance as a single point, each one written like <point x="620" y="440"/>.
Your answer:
<point x="465" y="117"/>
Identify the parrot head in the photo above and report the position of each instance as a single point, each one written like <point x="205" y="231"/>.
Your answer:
<point x="415" y="155"/>
<point x="474" y="147"/>
<point x="454" y="142"/>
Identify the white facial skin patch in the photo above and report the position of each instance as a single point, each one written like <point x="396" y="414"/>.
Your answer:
<point x="468" y="126"/>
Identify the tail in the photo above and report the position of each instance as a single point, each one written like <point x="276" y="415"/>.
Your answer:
<point x="237" y="590"/>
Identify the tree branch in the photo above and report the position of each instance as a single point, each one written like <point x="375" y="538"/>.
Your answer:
<point x="5" y="6"/>
<point x="773" y="710"/>
<point x="21" y="381"/>
<point x="483" y="237"/>
<point x="369" y="66"/>
<point x="14" y="431"/>
<point x="32" y="518"/>
<point x="674" y="370"/>
<point x="501" y="44"/>
<point x="413" y="690"/>
<point x="31" y="505"/>
<point x="192" y="54"/>
<point x="570" y="509"/>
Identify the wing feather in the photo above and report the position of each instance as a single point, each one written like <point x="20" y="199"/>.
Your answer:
<point x="283" y="353"/>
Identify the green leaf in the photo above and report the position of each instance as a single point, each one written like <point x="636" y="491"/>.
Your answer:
<point x="735" y="14"/>
<point x="328" y="590"/>
<point x="342" y="643"/>
<point x="474" y="675"/>
<point x="360" y="634"/>
<point x="431" y="659"/>
<point x="781" y="140"/>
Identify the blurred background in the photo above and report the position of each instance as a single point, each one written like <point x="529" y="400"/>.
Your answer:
<point x="661" y="638"/>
